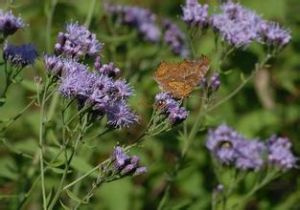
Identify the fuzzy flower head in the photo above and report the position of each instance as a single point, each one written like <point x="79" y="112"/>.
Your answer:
<point x="108" y="69"/>
<point x="120" y="115"/>
<point x="175" y="38"/>
<point x="250" y="155"/>
<point x="164" y="102"/>
<point x="237" y="25"/>
<point x="272" y="34"/>
<point x="222" y="142"/>
<point x="54" y="65"/>
<point x="141" y="19"/>
<point x="280" y="154"/>
<point x="177" y="115"/>
<point x="20" y="56"/>
<point x="211" y="84"/>
<point x="9" y="23"/>
<point x="76" y="81"/>
<point x="77" y="42"/>
<point x="125" y="164"/>
<point x="195" y="14"/>
<point x="170" y="108"/>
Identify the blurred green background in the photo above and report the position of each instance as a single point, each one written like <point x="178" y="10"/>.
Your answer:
<point x="268" y="104"/>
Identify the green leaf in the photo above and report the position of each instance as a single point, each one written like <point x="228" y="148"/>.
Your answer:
<point x="64" y="206"/>
<point x="74" y="197"/>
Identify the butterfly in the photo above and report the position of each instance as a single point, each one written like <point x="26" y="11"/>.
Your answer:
<point x="180" y="79"/>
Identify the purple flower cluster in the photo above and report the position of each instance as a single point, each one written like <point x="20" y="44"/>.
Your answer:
<point x="77" y="42"/>
<point x="240" y="26"/>
<point x="236" y="24"/>
<point x="107" y="69"/>
<point x="20" y="56"/>
<point x="272" y="34"/>
<point x="99" y="89"/>
<point x="9" y="23"/>
<point x="175" y="38"/>
<point x="142" y="19"/>
<point x="170" y="108"/>
<point x="279" y="153"/>
<point x="127" y="165"/>
<point x="195" y="14"/>
<point x="211" y="85"/>
<point x="231" y="148"/>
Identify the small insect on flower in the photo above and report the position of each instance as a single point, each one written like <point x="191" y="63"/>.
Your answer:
<point x="180" y="79"/>
<point x="20" y="56"/>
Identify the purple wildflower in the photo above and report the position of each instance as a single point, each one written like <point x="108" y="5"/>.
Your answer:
<point x="175" y="38"/>
<point x="109" y="69"/>
<point x="119" y="115"/>
<point x="280" y="154"/>
<point x="164" y="102"/>
<point x="77" y="42"/>
<point x="177" y="115"/>
<point x="126" y="165"/>
<point x="272" y="34"/>
<point x="222" y="142"/>
<point x="9" y="23"/>
<point x="250" y="155"/>
<point x="54" y="65"/>
<point x="170" y="108"/>
<point x="76" y="81"/>
<point x="142" y="19"/>
<point x="121" y="90"/>
<point x="236" y="24"/>
<point x="140" y="170"/>
<point x="99" y="96"/>
<point x="120" y="157"/>
<point x="195" y="13"/>
<point x="215" y="82"/>
<point x="97" y="63"/>
<point x="20" y="56"/>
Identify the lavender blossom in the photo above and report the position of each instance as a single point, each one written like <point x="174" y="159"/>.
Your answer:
<point x="250" y="155"/>
<point x="170" y="108"/>
<point x="175" y="38"/>
<point x="20" y="56"/>
<point x="164" y="102"/>
<point x="121" y="90"/>
<point x="212" y="84"/>
<point x="126" y="165"/>
<point x="120" y="157"/>
<point x="215" y="82"/>
<point x="9" y="23"/>
<point x="177" y="115"/>
<point x="280" y="154"/>
<point x="272" y="34"/>
<point x="237" y="25"/>
<point x="119" y="115"/>
<point x="76" y="81"/>
<point x="223" y="142"/>
<point x="140" y="171"/>
<point x="195" y="14"/>
<point x="77" y="42"/>
<point x="142" y="19"/>
<point x="109" y="69"/>
<point x="99" y="96"/>
<point x="54" y="65"/>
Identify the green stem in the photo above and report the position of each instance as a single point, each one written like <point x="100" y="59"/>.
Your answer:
<point x="90" y="13"/>
<point x="67" y="165"/>
<point x="49" y="14"/>
<point x="41" y="141"/>
<point x="237" y="90"/>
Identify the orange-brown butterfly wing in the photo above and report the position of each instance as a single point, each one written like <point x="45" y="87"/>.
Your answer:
<point x="180" y="79"/>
